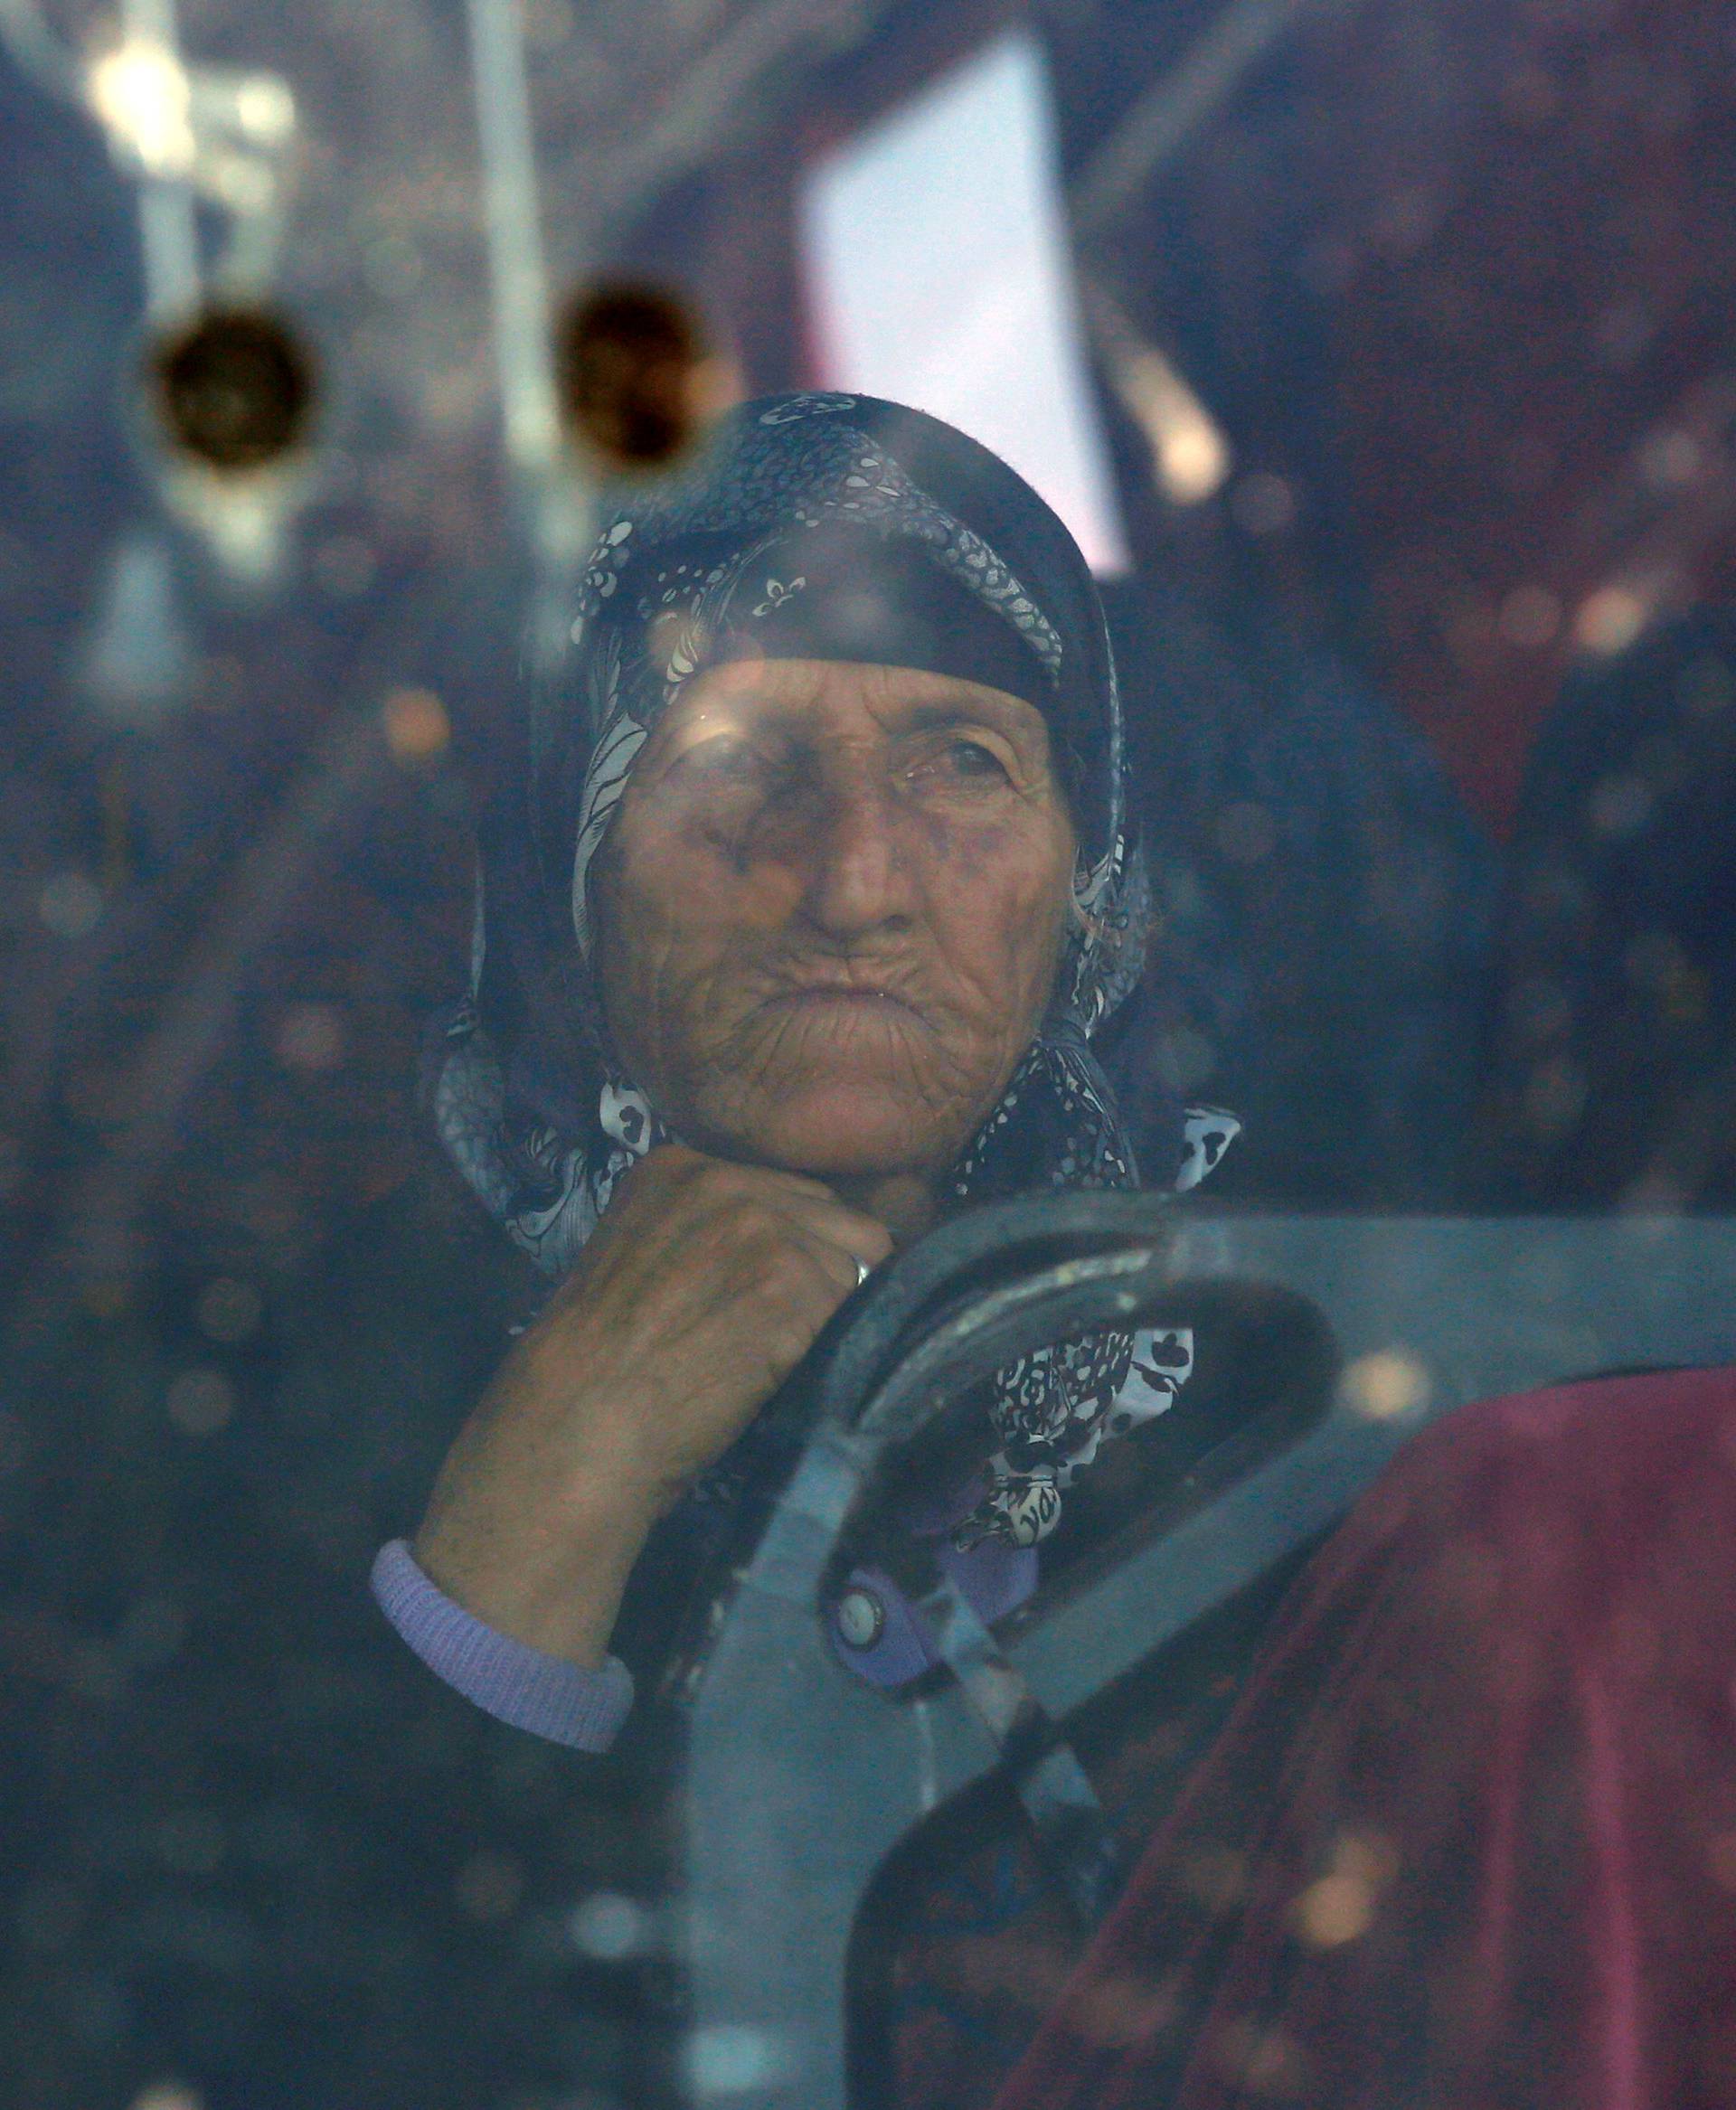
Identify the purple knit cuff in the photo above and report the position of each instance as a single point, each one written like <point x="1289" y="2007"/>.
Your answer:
<point x="505" y="1678"/>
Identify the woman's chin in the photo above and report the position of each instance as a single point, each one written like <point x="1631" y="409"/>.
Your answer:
<point x="839" y="1090"/>
<point x="841" y="1129"/>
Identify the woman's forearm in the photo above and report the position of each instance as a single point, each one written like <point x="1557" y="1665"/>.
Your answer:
<point x="547" y="1570"/>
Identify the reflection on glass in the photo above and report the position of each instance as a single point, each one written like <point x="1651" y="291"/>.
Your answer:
<point x="1082" y="1604"/>
<point x="234" y="390"/>
<point x="937" y="259"/>
<point x="636" y="380"/>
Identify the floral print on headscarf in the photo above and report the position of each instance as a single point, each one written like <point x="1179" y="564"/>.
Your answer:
<point x="672" y="575"/>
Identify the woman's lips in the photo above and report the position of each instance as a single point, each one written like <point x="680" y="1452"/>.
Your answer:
<point x="865" y="998"/>
<point x="841" y="996"/>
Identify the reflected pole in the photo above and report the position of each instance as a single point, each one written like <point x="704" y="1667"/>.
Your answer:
<point x="556" y="504"/>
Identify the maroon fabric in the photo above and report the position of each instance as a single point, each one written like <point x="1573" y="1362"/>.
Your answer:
<point x="1469" y="1838"/>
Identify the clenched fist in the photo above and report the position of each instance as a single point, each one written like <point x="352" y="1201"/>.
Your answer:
<point x="698" y="1294"/>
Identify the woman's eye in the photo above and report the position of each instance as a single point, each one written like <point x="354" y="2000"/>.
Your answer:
<point x="726" y="762"/>
<point x="971" y="758"/>
<point x="967" y="761"/>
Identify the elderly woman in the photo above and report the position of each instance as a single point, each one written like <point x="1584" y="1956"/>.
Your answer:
<point x="822" y="887"/>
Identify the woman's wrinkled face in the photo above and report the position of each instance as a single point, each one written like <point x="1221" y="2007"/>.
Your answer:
<point x="831" y="909"/>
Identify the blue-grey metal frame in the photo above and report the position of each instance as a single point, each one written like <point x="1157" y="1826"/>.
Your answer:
<point x="799" y="1778"/>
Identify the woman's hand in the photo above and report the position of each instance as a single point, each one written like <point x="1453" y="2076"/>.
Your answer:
<point x="698" y="1294"/>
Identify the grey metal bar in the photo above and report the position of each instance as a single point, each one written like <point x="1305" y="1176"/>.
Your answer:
<point x="801" y="1778"/>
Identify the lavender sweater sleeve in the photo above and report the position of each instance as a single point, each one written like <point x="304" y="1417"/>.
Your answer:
<point x="514" y="1682"/>
<point x="872" y="1629"/>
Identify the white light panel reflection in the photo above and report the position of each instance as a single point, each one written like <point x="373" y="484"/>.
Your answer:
<point x="938" y="273"/>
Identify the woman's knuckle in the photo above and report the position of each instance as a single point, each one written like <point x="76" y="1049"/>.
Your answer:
<point x="755" y="1216"/>
<point x="783" y="1268"/>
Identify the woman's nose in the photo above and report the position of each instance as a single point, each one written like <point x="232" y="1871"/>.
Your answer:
<point x="859" y="860"/>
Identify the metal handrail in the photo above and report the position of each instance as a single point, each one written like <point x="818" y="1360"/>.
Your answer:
<point x="800" y="1778"/>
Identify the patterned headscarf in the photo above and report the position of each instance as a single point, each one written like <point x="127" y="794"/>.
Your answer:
<point x="841" y="527"/>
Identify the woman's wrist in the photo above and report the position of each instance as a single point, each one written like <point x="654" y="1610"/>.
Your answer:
<point x="553" y="1580"/>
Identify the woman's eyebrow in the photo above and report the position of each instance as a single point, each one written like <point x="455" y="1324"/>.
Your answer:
<point x="783" y="715"/>
<point x="945" y="717"/>
<point x="793" y="718"/>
